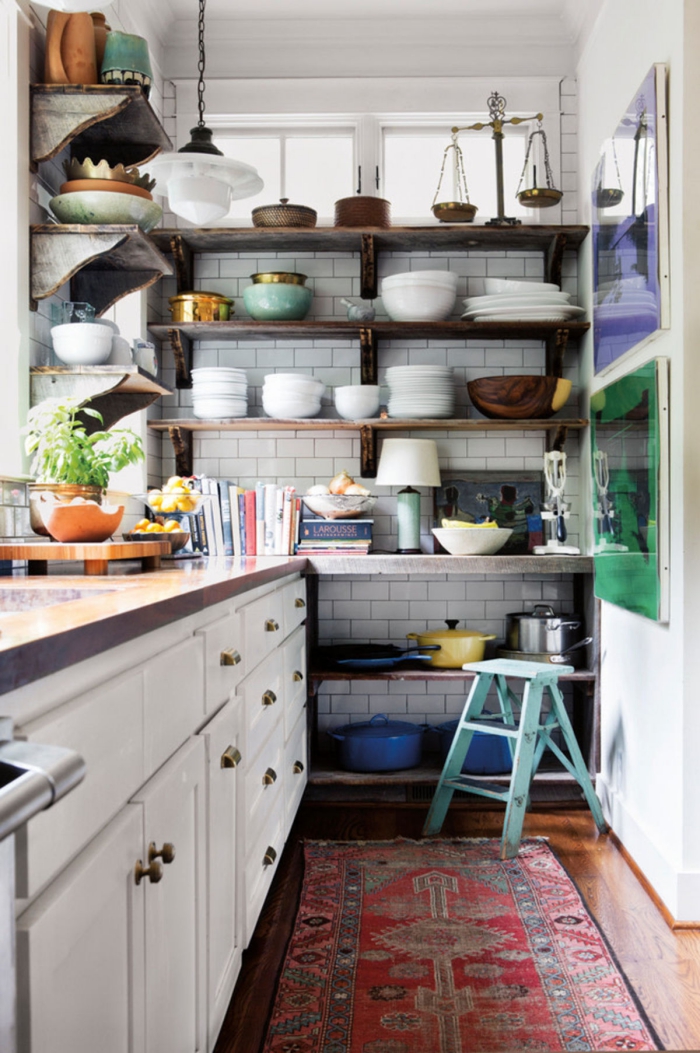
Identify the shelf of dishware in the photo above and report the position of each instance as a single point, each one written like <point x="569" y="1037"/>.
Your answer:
<point x="116" y="122"/>
<point x="247" y="329"/>
<point x="104" y="262"/>
<point x="180" y="431"/>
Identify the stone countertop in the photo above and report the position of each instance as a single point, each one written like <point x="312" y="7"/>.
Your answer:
<point x="89" y="615"/>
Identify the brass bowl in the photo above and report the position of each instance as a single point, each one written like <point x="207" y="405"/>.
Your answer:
<point x="286" y="277"/>
<point x="87" y="169"/>
<point x="284" y="215"/>
<point x="200" y="307"/>
<point x="540" y="197"/>
<point x="608" y="197"/>
<point x="454" y="211"/>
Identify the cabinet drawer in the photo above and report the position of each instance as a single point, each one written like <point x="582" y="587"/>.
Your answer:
<point x="263" y="626"/>
<point x="293" y="598"/>
<point x="295" y="683"/>
<point x="262" y="697"/>
<point x="224" y="659"/>
<point x="105" y="726"/>
<point x="261" y="863"/>
<point x="263" y="782"/>
<point x="174" y="700"/>
<point x="296" y="772"/>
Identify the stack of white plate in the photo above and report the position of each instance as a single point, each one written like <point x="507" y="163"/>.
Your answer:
<point x="520" y="301"/>
<point x="292" y="395"/>
<point x="420" y="391"/>
<point x="220" y="392"/>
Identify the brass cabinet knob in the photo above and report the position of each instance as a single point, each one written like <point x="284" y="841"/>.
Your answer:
<point x="297" y="675"/>
<point x="231" y="757"/>
<point x="269" y="777"/>
<point x="230" y="657"/>
<point x="271" y="626"/>
<point x="269" y="857"/>
<point x="299" y="602"/>
<point x="269" y="698"/>
<point x="297" y="767"/>
<point x="166" y="853"/>
<point x="154" y="872"/>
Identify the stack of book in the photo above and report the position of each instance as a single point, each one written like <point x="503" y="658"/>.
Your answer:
<point x="335" y="537"/>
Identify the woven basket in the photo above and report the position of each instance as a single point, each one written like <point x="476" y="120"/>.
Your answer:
<point x="361" y="211"/>
<point x="283" y="215"/>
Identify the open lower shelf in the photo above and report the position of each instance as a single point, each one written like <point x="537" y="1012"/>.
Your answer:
<point x="181" y="429"/>
<point x="407" y="672"/>
<point x="247" y="329"/>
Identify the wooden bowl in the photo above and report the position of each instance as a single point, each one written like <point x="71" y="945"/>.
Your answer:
<point x="520" y="397"/>
<point x="85" y="522"/>
<point x="177" y="538"/>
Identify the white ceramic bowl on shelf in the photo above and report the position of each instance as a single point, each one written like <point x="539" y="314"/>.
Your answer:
<point x="219" y="407"/>
<point x="281" y="405"/>
<point x="82" y="343"/>
<point x="340" y="506"/>
<point x="447" y="278"/>
<point x="357" y="401"/>
<point x="294" y="383"/>
<point x="509" y="285"/>
<point x="419" y="302"/>
<point x="472" y="541"/>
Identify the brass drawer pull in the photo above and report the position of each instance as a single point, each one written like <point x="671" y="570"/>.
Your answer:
<point x="166" y="853"/>
<point x="269" y="777"/>
<point x="269" y="857"/>
<point x="269" y="698"/>
<point x="271" y="626"/>
<point x="299" y="602"/>
<point x="297" y="767"/>
<point x="231" y="757"/>
<point x="297" y="675"/>
<point x="230" y="657"/>
<point x="154" y="872"/>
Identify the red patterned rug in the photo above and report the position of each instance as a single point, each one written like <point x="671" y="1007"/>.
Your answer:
<point x="441" y="947"/>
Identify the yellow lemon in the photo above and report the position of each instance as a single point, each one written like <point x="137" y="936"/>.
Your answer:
<point x="142" y="525"/>
<point x="154" y="528"/>
<point x="170" y="525"/>
<point x="169" y="503"/>
<point x="184" y="504"/>
<point x="155" y="500"/>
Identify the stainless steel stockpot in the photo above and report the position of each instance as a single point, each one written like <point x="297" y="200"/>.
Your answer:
<point x="542" y="631"/>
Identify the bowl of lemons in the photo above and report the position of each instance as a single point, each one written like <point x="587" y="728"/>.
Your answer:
<point x="177" y="495"/>
<point x="159" y="529"/>
<point x="471" y="539"/>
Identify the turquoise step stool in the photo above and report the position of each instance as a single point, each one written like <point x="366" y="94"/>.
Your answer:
<point x="528" y="739"/>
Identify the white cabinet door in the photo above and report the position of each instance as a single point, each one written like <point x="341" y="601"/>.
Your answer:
<point x="222" y="738"/>
<point x="174" y="815"/>
<point x="80" y="951"/>
<point x="224" y="659"/>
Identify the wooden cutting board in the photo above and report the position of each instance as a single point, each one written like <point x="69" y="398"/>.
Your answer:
<point x="95" y="557"/>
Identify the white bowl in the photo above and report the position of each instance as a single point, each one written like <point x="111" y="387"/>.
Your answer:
<point x="298" y="383"/>
<point x="215" y="388"/>
<point x="219" y="407"/>
<point x="340" y="506"/>
<point x="419" y="303"/>
<point x="507" y="285"/>
<point x="82" y="343"/>
<point x="275" y="405"/>
<point x="448" y="278"/>
<point x="357" y="401"/>
<point x="472" y="541"/>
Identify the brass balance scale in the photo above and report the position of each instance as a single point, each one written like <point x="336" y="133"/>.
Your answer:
<point x="461" y="210"/>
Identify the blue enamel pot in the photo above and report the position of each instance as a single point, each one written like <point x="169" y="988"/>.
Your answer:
<point x="379" y="744"/>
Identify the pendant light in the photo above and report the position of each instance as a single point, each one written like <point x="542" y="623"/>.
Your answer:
<point x="199" y="181"/>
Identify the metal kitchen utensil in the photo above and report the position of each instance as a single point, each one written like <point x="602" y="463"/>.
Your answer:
<point x="556" y="511"/>
<point x="542" y="631"/>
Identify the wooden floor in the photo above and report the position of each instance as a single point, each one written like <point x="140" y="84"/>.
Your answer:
<point x="663" y="967"/>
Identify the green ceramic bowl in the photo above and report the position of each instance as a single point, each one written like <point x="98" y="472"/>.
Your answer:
<point x="103" y="206"/>
<point x="277" y="301"/>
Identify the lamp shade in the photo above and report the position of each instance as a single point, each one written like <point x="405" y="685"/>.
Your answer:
<point x="408" y="462"/>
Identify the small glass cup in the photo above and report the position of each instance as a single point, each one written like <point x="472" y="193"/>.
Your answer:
<point x="70" y="311"/>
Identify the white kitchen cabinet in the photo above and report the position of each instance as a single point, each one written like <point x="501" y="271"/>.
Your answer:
<point x="224" y="659"/>
<point x="224" y="849"/>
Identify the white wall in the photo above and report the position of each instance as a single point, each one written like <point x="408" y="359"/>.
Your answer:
<point x="649" y="727"/>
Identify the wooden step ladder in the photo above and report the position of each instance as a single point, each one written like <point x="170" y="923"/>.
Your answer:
<point x="527" y="738"/>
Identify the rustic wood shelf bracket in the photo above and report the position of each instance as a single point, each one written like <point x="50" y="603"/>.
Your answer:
<point x="557" y="438"/>
<point x="182" y="353"/>
<point x="64" y="114"/>
<point x="368" y="268"/>
<point x="113" y="393"/>
<point x="555" y="350"/>
<point x="553" y="259"/>
<point x="184" y="265"/>
<point x="368" y="452"/>
<point x="368" y="356"/>
<point x="181" y="440"/>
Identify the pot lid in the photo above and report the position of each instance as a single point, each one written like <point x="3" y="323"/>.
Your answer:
<point x="452" y="631"/>
<point x="379" y="727"/>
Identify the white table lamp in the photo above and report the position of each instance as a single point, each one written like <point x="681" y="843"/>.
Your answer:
<point x="408" y="463"/>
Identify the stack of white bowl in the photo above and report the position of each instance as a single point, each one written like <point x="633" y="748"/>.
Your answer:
<point x="419" y="296"/>
<point x="220" y="392"/>
<point x="420" y="391"/>
<point x="292" y="395"/>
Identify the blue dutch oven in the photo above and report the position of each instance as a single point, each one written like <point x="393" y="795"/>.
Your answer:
<point x="487" y="754"/>
<point x="379" y="744"/>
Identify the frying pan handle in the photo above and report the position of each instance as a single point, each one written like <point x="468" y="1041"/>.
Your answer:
<point x="561" y="659"/>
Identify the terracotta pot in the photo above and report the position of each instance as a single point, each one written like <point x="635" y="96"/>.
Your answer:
<point x="101" y="29"/>
<point x="65" y="493"/>
<point x="70" y="56"/>
<point x="110" y="186"/>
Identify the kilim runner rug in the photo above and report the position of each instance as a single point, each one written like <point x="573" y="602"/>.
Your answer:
<point x="441" y="947"/>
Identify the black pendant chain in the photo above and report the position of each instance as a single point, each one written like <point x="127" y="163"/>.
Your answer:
<point x="201" y="64"/>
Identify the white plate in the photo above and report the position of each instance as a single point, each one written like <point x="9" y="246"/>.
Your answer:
<point x="539" y="314"/>
<point x="509" y="285"/>
<point x="517" y="301"/>
<point x="415" y="370"/>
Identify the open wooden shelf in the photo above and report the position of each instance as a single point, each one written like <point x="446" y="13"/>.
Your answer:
<point x="104" y="262"/>
<point x="418" y="672"/>
<point x="114" y="122"/>
<point x="115" y="391"/>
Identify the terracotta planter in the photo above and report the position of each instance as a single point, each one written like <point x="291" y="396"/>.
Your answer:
<point x="65" y="492"/>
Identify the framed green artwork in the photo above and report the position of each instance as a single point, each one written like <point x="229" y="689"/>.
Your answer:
<point x="629" y="441"/>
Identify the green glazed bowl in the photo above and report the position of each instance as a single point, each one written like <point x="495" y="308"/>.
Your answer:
<point x="277" y="301"/>
<point x="102" y="206"/>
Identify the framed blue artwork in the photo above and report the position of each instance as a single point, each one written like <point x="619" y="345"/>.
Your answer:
<point x="629" y="211"/>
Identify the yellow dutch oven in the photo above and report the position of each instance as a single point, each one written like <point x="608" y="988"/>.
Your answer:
<point x="457" y="646"/>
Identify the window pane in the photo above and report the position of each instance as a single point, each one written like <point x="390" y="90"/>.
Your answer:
<point x="319" y="171"/>
<point x="263" y="154"/>
<point x="412" y="169"/>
